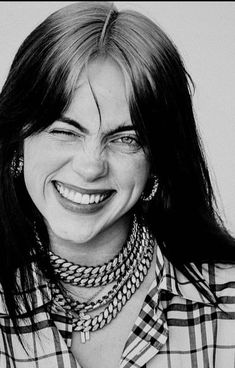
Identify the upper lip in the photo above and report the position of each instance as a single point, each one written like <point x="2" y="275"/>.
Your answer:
<point x="82" y="190"/>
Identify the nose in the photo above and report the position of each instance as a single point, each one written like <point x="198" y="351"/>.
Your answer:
<point x="90" y="164"/>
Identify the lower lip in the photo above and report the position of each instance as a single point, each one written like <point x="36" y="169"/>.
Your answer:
<point x="80" y="208"/>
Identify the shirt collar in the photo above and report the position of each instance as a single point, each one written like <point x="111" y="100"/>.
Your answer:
<point x="172" y="280"/>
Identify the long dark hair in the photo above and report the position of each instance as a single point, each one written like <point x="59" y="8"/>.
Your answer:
<point x="40" y="86"/>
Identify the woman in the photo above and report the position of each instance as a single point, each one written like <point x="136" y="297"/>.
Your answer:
<point x="112" y="254"/>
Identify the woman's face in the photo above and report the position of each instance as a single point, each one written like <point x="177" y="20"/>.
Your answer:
<point x="86" y="171"/>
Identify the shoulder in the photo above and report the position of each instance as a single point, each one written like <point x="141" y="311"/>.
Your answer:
<point x="37" y="295"/>
<point x="221" y="280"/>
<point x="219" y="274"/>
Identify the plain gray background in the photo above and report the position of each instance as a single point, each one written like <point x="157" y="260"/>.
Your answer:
<point x="204" y="33"/>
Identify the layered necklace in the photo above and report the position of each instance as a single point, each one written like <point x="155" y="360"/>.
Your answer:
<point x="126" y="271"/>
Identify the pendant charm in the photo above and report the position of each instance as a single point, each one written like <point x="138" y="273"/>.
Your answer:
<point x="85" y="336"/>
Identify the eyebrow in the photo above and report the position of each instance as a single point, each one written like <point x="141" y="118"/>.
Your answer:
<point x="122" y="128"/>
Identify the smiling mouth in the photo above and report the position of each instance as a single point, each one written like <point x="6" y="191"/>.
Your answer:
<point x="81" y="198"/>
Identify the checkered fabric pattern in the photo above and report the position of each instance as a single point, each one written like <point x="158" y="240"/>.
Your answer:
<point x="177" y="326"/>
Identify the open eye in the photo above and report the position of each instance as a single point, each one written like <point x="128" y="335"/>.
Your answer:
<point x="126" y="143"/>
<point x="128" y="140"/>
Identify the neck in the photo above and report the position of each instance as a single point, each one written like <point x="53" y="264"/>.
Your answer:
<point x="99" y="250"/>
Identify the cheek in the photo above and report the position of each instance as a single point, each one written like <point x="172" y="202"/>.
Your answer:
<point x="33" y="180"/>
<point x="36" y="163"/>
<point x="41" y="157"/>
<point x="134" y="172"/>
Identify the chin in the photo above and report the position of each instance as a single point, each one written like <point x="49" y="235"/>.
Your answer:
<point x="69" y="234"/>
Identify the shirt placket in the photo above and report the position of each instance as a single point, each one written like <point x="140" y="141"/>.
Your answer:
<point x="141" y="349"/>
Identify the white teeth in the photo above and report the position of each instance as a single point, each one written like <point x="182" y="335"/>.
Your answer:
<point x="66" y="192"/>
<point x="71" y="195"/>
<point x="92" y="198"/>
<point x="79" y="197"/>
<point x="60" y="189"/>
<point x="97" y="198"/>
<point x="85" y="199"/>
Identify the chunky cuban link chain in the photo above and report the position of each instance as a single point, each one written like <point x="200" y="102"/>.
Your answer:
<point x="124" y="287"/>
<point x="99" y="275"/>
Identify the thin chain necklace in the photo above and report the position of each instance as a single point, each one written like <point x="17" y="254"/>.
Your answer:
<point x="129" y="280"/>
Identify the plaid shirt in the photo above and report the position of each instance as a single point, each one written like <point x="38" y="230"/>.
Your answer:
<point x="177" y="326"/>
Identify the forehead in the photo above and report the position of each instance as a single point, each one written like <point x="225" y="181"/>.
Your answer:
<point x="100" y="96"/>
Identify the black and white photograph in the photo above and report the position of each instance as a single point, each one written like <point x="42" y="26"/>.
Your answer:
<point x="117" y="184"/>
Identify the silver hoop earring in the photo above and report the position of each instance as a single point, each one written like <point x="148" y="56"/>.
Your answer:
<point x="153" y="192"/>
<point x="17" y="165"/>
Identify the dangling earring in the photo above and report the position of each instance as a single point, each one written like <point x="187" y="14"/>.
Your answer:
<point x="153" y="192"/>
<point x="17" y="164"/>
